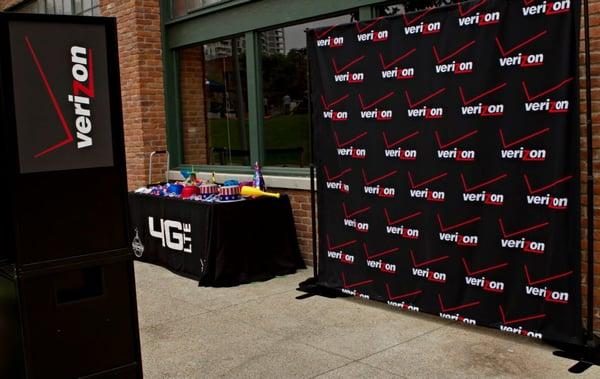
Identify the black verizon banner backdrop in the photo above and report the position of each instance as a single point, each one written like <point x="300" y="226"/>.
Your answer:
<point x="446" y="145"/>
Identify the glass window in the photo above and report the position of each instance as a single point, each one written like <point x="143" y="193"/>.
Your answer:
<point x="213" y="103"/>
<point x="395" y="8"/>
<point x="69" y="7"/>
<point x="285" y="93"/>
<point x="183" y="7"/>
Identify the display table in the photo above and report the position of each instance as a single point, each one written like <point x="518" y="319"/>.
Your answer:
<point x="219" y="244"/>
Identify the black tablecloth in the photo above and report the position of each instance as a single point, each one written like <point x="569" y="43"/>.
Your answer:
<point x="219" y="244"/>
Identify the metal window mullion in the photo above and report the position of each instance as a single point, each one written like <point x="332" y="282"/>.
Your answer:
<point x="255" y="96"/>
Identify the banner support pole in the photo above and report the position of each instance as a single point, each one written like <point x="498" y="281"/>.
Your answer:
<point x="310" y="286"/>
<point x="589" y="354"/>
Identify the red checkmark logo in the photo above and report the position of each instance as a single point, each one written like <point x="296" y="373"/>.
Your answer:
<point x="348" y="142"/>
<point x="337" y="69"/>
<point x="416" y="19"/>
<point x="361" y="29"/>
<point x="448" y="228"/>
<point x="324" y="32"/>
<point x="545" y="92"/>
<point x="335" y="177"/>
<point x="402" y="296"/>
<point x="533" y="191"/>
<point x="442" y="145"/>
<point x="391" y="145"/>
<point x="348" y="214"/>
<point x="482" y="184"/>
<point x="520" y="45"/>
<point x="379" y="254"/>
<point x="327" y="105"/>
<point x="423" y="100"/>
<point x="520" y="231"/>
<point x="482" y="270"/>
<point x="506" y="321"/>
<point x="391" y="222"/>
<point x="481" y="95"/>
<point x="546" y="279"/>
<point x="427" y="262"/>
<point x="400" y="58"/>
<point x="518" y="141"/>
<point x="339" y="245"/>
<point x="375" y="102"/>
<point x="357" y="284"/>
<point x="456" y="308"/>
<point x="463" y="12"/>
<point x="68" y="135"/>
<point x="414" y="185"/>
<point x="379" y="178"/>
<point x="451" y="55"/>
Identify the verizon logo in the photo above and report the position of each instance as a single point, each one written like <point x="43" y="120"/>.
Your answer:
<point x="460" y="240"/>
<point x="547" y="8"/>
<point x="403" y="305"/>
<point x="548" y="294"/>
<point x="458" y="318"/>
<point x="376" y="114"/>
<point x="349" y="77"/>
<point x="520" y="331"/>
<point x="362" y="227"/>
<point x="486" y="284"/>
<point x="429" y="195"/>
<point x="524" y="154"/>
<point x="455" y="67"/>
<point x="483" y="110"/>
<point x="423" y="28"/>
<point x="403" y="232"/>
<point x="480" y="19"/>
<point x="402" y="154"/>
<point x="428" y="113"/>
<point x="551" y="202"/>
<point x="549" y="106"/>
<point x="355" y="293"/>
<point x="380" y="191"/>
<point x="484" y="197"/>
<point x="340" y="186"/>
<point x="379" y="265"/>
<point x="457" y="155"/>
<point x="398" y="73"/>
<point x="82" y="72"/>
<point x="335" y="116"/>
<point x="525" y="245"/>
<point x="373" y="36"/>
<point x="341" y="256"/>
<point x="331" y="42"/>
<point x="432" y="276"/>
<point x="523" y="60"/>
<point x="352" y="152"/>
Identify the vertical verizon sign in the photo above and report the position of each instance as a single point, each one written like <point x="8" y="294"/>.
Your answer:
<point x="62" y="104"/>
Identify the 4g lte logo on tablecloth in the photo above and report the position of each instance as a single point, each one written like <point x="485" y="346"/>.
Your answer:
<point x="174" y="235"/>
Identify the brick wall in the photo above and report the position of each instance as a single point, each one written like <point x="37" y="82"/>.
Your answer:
<point x="302" y="218"/>
<point x="193" y="115"/>
<point x="595" y="81"/>
<point x="140" y="59"/>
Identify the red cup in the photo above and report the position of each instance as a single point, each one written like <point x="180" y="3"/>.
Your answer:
<point x="189" y="191"/>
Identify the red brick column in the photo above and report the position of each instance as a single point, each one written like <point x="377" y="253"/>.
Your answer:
<point x="140" y="59"/>
<point x="193" y="114"/>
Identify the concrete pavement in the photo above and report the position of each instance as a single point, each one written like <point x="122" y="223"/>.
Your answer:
<point x="260" y="330"/>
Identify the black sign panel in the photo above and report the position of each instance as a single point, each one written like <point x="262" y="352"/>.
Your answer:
<point x="447" y="148"/>
<point x="61" y="95"/>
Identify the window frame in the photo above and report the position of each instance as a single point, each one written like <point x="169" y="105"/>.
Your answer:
<point x="206" y="25"/>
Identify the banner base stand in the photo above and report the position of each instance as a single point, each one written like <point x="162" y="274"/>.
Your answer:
<point x="586" y="356"/>
<point x="311" y="288"/>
